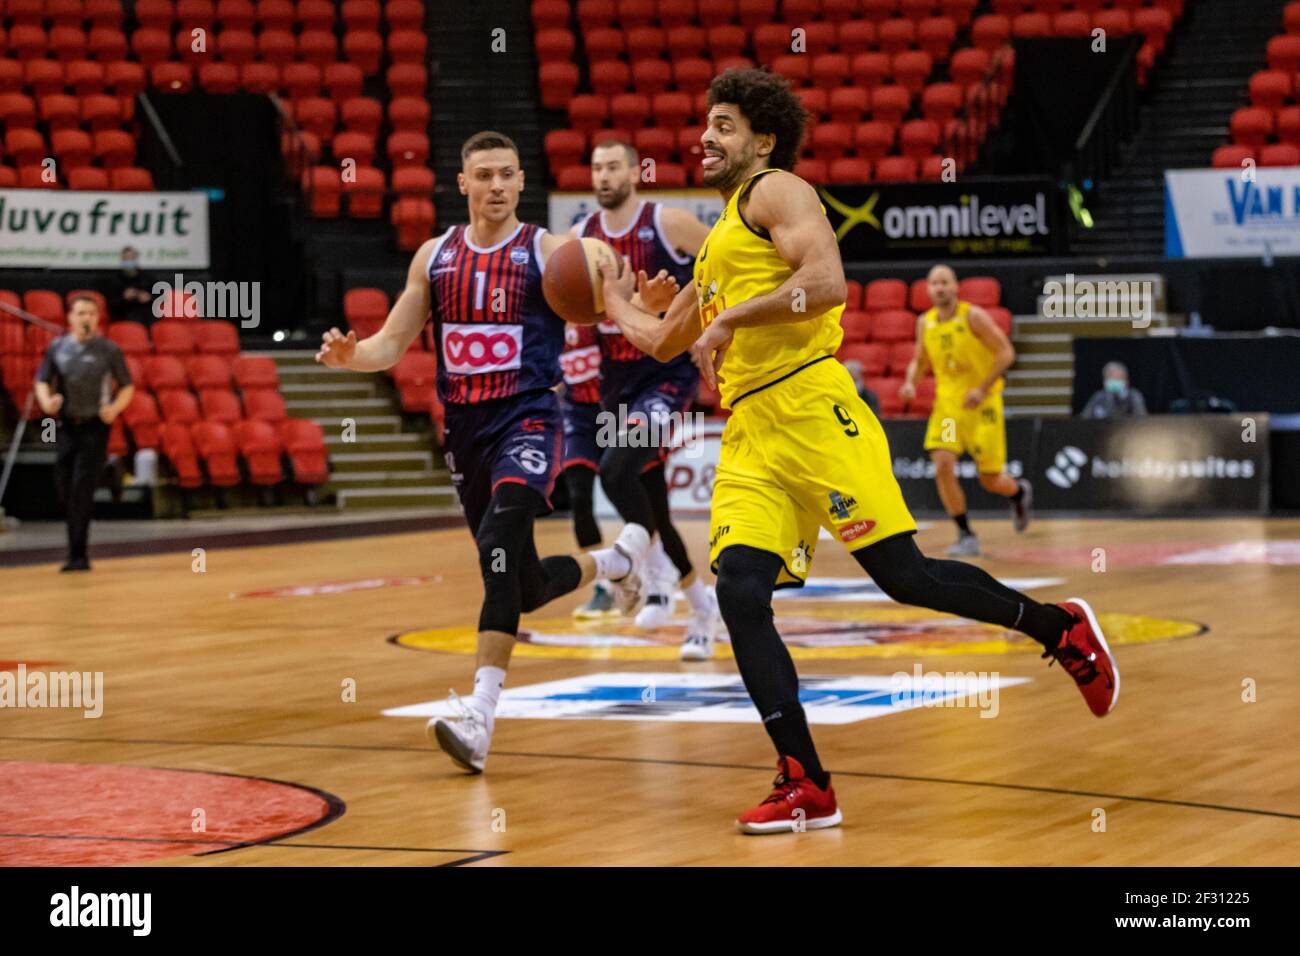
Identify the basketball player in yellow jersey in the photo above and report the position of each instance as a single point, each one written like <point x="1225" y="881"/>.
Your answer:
<point x="801" y="451"/>
<point x="968" y="353"/>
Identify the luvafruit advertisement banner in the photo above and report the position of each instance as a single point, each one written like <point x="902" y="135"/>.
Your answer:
<point x="1232" y="212"/>
<point x="1165" y="464"/>
<point x="61" y="229"/>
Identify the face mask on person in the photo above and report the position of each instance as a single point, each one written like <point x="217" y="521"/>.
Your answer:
<point x="1117" y="386"/>
<point x="130" y="266"/>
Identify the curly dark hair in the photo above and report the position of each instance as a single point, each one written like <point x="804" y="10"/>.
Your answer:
<point x="770" y="105"/>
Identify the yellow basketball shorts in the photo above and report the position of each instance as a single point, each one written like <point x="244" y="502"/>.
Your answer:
<point x="801" y="454"/>
<point x="979" y="432"/>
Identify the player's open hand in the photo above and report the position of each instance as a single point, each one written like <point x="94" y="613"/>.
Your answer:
<point x="337" y="349"/>
<point x="657" y="294"/>
<point x="907" y="393"/>
<point x="973" y="398"/>
<point x="708" y="350"/>
<point x="617" y="285"/>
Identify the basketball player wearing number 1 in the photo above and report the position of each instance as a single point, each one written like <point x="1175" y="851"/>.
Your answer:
<point x="801" y="451"/>
<point x="499" y="348"/>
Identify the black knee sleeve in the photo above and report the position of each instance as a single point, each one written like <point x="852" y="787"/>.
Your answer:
<point x="656" y="487"/>
<point x="746" y="579"/>
<point x="505" y="540"/>
<point x="581" y="482"/>
<point x="620" y="476"/>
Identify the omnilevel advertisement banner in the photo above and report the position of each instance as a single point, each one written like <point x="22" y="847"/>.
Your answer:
<point x="1166" y="464"/>
<point x="57" y="229"/>
<point x="976" y="217"/>
<point x="1232" y="212"/>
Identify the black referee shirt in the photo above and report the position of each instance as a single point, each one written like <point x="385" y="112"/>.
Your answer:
<point x="80" y="372"/>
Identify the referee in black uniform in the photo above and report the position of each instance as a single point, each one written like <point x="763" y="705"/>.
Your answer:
<point x="73" y="385"/>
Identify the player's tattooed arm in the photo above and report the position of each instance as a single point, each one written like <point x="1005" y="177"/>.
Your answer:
<point x="995" y="340"/>
<point x="916" y="368"/>
<point x="788" y="208"/>
<point x="664" y="338"/>
<point x="683" y="230"/>
<point x="400" y="329"/>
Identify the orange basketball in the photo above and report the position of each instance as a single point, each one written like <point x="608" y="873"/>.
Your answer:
<point x="571" y="284"/>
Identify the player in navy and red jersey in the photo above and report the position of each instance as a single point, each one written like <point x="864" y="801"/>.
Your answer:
<point x="499" y="361"/>
<point x="655" y="240"/>
<point x="580" y="406"/>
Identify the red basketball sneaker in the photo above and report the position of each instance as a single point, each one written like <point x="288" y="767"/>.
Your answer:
<point x="1084" y="655"/>
<point x="794" y="804"/>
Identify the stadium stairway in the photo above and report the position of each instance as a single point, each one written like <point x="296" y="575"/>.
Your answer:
<point x="389" y="464"/>
<point x="477" y="89"/>
<point x="1042" y="380"/>
<point x="1213" y="51"/>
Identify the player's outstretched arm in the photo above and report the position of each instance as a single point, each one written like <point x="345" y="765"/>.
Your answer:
<point x="664" y="338"/>
<point x="916" y="368"/>
<point x="788" y="208"/>
<point x="400" y="329"/>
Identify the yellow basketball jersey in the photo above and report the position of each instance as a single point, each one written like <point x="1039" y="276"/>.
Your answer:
<point x="961" y="361"/>
<point x="735" y="264"/>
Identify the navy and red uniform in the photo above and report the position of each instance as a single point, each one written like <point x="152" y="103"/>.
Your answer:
<point x="499" y="349"/>
<point x="629" y="377"/>
<point x="580" y="405"/>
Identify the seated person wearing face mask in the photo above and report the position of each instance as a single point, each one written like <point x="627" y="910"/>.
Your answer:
<point x="130" y="291"/>
<point x="1116" y="398"/>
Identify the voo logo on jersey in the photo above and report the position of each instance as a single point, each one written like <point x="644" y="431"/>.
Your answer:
<point x="475" y="349"/>
<point x="580" y="365"/>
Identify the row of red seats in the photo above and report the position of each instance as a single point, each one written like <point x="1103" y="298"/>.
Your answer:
<point x="177" y="337"/>
<point x="125" y="78"/>
<point x="274" y="13"/>
<point x="750" y="14"/>
<point x="1287" y="153"/>
<point x="209" y="452"/>
<point x="122" y="179"/>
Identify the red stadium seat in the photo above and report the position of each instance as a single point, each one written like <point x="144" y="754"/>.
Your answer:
<point x="219" y="405"/>
<point x="990" y="31"/>
<point x="219" y="77"/>
<point x="265" y="404"/>
<point x="857" y="36"/>
<point x="1284" y="53"/>
<point x="165" y="376"/>
<point x="88" y="178"/>
<point x="407" y="46"/>
<point x="407" y="79"/>
<point x="131" y="337"/>
<point x="849" y="169"/>
<point x="831" y="140"/>
<point x="415" y="377"/>
<point x="1270" y="89"/>
<point x="813" y="100"/>
<point x="1288" y="124"/>
<point x="1001" y="317"/>
<point x="43" y="77"/>
<point x="910" y="70"/>
<point x="323" y="186"/>
<point x="812" y="170"/>
<point x="357" y="147"/>
<point x="848" y="104"/>
<point x="303" y="81"/>
<point x="124" y="78"/>
<point x="85" y="77"/>
<point x="143" y="420"/>
<point x="304" y="442"/>
<point x="317" y="115"/>
<point x="172" y="77"/>
<point x="1251" y="126"/>
<point x="1233" y="156"/>
<point x="895" y="35"/>
<point x="872" y="356"/>
<point x="830" y="70"/>
<point x="980" y="290"/>
<point x="886" y="390"/>
<point x="673" y="109"/>
<point x="365" y="193"/>
<point x="1279" y="154"/>
<point x="564" y="147"/>
<point x="408" y="149"/>
<point x="896" y="169"/>
<point x="883" y="295"/>
<point x="889" y="104"/>
<point x="131" y="179"/>
<point x="557" y="82"/>
<point x="941" y="101"/>
<point x="259" y="446"/>
<point x="937" y="36"/>
<point x="900" y="356"/>
<point x="235" y="14"/>
<point x="856" y="324"/>
<point x="414" y="219"/>
<point x="918" y="138"/>
<point x="216" y="449"/>
<point x="365" y="48"/>
<point x="404" y="15"/>
<point x="853" y="295"/>
<point x="178" y="449"/>
<point x="172" y="337"/>
<point x="254" y="372"/>
<point x="216" y="337"/>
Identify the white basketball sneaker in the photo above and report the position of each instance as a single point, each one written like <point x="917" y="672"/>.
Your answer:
<point x="661" y="591"/>
<point x="702" y="631"/>
<point x="629" y="593"/>
<point x="465" y="737"/>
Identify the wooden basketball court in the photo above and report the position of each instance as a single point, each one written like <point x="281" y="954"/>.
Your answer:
<point x="204" y="674"/>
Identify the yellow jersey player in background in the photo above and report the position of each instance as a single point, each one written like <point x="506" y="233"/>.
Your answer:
<point x="968" y="353"/>
<point x="801" y="451"/>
